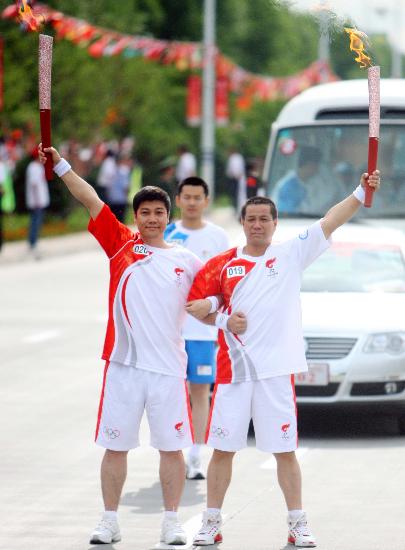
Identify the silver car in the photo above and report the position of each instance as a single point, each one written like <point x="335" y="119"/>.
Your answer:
<point x="353" y="307"/>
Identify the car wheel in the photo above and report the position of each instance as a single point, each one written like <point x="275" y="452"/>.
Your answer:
<point x="401" y="424"/>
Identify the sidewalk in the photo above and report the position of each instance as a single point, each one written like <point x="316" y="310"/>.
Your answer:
<point x="74" y="243"/>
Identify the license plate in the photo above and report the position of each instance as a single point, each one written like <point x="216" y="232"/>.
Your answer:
<point x="317" y="375"/>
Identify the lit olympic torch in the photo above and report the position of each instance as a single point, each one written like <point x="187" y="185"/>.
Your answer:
<point x="32" y="21"/>
<point x="45" y="78"/>
<point x="357" y="45"/>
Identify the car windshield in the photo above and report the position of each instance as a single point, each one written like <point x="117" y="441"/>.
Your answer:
<point x="349" y="267"/>
<point x="314" y="167"/>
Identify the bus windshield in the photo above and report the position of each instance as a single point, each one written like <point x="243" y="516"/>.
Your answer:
<point x="314" y="167"/>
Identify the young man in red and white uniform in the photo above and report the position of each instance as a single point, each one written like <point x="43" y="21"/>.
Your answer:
<point x="144" y="349"/>
<point x="260" y="349"/>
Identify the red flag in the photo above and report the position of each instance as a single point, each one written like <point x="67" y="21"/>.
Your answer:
<point x="222" y="101"/>
<point x="193" y="105"/>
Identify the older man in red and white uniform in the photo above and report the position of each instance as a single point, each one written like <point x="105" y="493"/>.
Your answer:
<point x="260" y="349"/>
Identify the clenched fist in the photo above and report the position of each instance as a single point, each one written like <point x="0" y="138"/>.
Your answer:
<point x="198" y="308"/>
<point x="237" y="323"/>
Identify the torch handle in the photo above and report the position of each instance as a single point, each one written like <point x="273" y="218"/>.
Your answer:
<point x="45" y="120"/>
<point x="372" y="165"/>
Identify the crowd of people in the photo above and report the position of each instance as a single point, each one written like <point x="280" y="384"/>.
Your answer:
<point x="112" y="168"/>
<point x="250" y="294"/>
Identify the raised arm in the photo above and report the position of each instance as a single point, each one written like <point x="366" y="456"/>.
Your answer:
<point x="345" y="210"/>
<point x="80" y="189"/>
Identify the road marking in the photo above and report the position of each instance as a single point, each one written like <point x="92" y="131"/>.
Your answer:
<point x="271" y="463"/>
<point x="39" y="337"/>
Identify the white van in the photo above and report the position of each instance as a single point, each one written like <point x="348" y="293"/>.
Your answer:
<point x="321" y="137"/>
<point x="353" y="296"/>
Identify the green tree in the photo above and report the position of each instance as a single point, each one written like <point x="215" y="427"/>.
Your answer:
<point x="110" y="97"/>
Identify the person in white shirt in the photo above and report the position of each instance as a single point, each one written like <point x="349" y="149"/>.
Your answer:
<point x="206" y="240"/>
<point x="36" y="200"/>
<point x="236" y="174"/>
<point x="107" y="174"/>
<point x="144" y="351"/>
<point x="261" y="347"/>
<point x="186" y="164"/>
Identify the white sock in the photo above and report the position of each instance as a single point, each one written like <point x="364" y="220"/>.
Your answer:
<point x="214" y="511"/>
<point x="170" y="515"/>
<point x="294" y="515"/>
<point x="195" y="450"/>
<point x="111" y="514"/>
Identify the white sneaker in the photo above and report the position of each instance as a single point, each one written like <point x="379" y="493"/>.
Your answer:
<point x="210" y="532"/>
<point x="299" y="534"/>
<point x="194" y="470"/>
<point x="106" y="532"/>
<point x="172" y="532"/>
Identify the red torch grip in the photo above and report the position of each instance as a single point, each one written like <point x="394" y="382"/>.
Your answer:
<point x="45" y="119"/>
<point x="372" y="165"/>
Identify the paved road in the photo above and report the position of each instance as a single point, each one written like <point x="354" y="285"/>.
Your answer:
<point x="52" y="322"/>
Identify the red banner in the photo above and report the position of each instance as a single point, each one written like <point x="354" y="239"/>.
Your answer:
<point x="193" y="105"/>
<point x="1" y="73"/>
<point x="222" y="101"/>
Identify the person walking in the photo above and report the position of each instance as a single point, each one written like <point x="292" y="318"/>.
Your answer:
<point x="167" y="181"/>
<point x="236" y="174"/>
<point x="144" y="351"/>
<point x="186" y="164"/>
<point x="36" y="200"/>
<point x="117" y="191"/>
<point x="106" y="174"/>
<point x="261" y="350"/>
<point x="206" y="240"/>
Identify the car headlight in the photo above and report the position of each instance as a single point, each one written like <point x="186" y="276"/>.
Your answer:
<point x="386" y="342"/>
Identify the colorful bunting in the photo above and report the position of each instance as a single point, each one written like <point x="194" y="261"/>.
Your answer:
<point x="184" y="55"/>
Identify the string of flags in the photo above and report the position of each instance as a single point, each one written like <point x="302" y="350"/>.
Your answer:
<point x="101" y="42"/>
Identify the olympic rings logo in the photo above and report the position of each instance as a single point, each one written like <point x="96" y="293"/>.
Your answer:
<point x="111" y="433"/>
<point x="219" y="432"/>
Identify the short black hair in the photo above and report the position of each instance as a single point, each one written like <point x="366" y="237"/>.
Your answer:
<point x="151" y="193"/>
<point x="259" y="200"/>
<point x="195" y="182"/>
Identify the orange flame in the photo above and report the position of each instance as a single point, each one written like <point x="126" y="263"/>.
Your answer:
<point x="357" y="39"/>
<point x="26" y="16"/>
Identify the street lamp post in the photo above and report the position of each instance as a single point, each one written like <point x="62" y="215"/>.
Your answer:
<point x="208" y="103"/>
<point x="323" y="45"/>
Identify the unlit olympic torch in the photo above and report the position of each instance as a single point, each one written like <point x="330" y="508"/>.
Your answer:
<point x="45" y="79"/>
<point x="373" y="126"/>
<point x="357" y="40"/>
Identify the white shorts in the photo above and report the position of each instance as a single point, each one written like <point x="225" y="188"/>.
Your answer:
<point x="127" y="392"/>
<point x="270" y="403"/>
